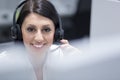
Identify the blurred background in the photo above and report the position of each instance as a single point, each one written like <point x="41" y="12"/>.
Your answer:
<point x="75" y="15"/>
<point x="94" y="19"/>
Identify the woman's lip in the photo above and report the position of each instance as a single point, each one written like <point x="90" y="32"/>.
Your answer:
<point x="38" y="46"/>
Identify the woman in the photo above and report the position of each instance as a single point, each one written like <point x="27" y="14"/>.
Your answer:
<point x="39" y="24"/>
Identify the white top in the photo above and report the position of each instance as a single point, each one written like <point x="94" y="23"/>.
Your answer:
<point x="15" y="61"/>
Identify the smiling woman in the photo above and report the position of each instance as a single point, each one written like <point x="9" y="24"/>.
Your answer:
<point x="38" y="26"/>
<point x="38" y="33"/>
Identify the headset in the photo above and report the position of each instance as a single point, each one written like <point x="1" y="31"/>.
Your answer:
<point x="16" y="33"/>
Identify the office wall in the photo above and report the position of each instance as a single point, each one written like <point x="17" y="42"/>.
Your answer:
<point x="105" y="18"/>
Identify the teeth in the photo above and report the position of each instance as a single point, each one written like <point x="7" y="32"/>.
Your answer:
<point x="38" y="46"/>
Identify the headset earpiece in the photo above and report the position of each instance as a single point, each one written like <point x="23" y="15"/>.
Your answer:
<point x="16" y="32"/>
<point x="13" y="32"/>
<point x="59" y="33"/>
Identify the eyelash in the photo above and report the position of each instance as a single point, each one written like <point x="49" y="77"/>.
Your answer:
<point x="29" y="29"/>
<point x="46" y="30"/>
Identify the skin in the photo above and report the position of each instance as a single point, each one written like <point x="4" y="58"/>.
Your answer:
<point x="38" y="35"/>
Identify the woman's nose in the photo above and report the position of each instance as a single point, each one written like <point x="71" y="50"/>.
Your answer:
<point x="39" y="36"/>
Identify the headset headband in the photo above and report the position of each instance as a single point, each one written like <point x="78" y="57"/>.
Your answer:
<point x="14" y="15"/>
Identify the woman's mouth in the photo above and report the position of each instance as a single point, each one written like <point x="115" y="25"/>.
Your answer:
<point x="38" y="46"/>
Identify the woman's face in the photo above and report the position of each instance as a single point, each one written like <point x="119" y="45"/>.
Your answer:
<point x="38" y="33"/>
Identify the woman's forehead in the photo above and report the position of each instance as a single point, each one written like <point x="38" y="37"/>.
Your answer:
<point x="36" y="18"/>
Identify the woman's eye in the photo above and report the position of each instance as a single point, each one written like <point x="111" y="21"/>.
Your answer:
<point x="47" y="30"/>
<point x="29" y="29"/>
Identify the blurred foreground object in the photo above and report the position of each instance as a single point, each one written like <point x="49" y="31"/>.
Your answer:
<point x="98" y="60"/>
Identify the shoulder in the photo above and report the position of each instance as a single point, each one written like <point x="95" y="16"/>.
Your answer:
<point x="10" y="48"/>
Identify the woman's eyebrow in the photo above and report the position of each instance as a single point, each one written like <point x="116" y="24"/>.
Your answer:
<point x="31" y="25"/>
